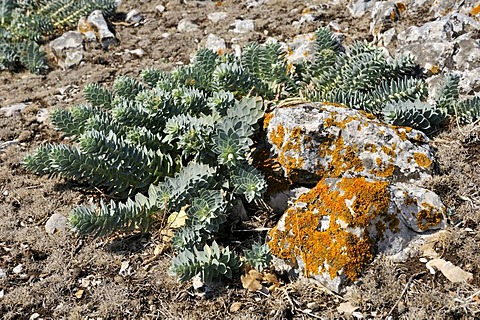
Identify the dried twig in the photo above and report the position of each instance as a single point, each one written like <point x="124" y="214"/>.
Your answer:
<point x="409" y="282"/>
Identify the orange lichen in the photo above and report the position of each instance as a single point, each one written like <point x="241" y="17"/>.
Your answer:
<point x="370" y="147"/>
<point x="289" y="149"/>
<point x="266" y="119"/>
<point x="358" y="203"/>
<point x="343" y="158"/>
<point x="403" y="132"/>
<point x="402" y="7"/>
<point x="277" y="135"/>
<point x="422" y="159"/>
<point x="428" y="217"/>
<point x="389" y="151"/>
<point x="475" y="10"/>
<point x="385" y="170"/>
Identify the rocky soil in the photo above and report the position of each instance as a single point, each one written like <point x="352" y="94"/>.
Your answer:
<point x="47" y="272"/>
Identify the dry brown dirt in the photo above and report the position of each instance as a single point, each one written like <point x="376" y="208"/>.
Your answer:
<point x="56" y="267"/>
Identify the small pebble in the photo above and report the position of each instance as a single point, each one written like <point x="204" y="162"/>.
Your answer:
<point x="18" y="269"/>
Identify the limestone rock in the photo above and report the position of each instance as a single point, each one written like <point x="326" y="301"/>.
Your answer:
<point x="447" y="42"/>
<point x="302" y="48"/>
<point x="315" y="140"/>
<point x="215" y="17"/>
<point x="441" y="8"/>
<point x="56" y="222"/>
<point x="134" y="17"/>
<point x="68" y="49"/>
<point x="13" y="109"/>
<point x="383" y="15"/>
<point x="215" y="43"/>
<point x="358" y="8"/>
<point x="365" y="199"/>
<point x="186" y="25"/>
<point x="243" y="26"/>
<point x="105" y="36"/>
<point x="333" y="231"/>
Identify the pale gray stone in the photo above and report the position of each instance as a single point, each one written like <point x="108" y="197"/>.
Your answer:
<point x="106" y="37"/>
<point x="186" y="25"/>
<point x="134" y="16"/>
<point x="42" y="115"/>
<point x="14" y="109"/>
<point x="358" y="8"/>
<point x="215" y="43"/>
<point x="470" y="82"/>
<point x="215" y="17"/>
<point x="68" y="40"/>
<point x="56" y="222"/>
<point x="243" y="26"/>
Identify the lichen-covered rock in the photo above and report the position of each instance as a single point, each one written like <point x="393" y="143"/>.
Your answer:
<point x="366" y="198"/>
<point x="334" y="230"/>
<point x="315" y="140"/>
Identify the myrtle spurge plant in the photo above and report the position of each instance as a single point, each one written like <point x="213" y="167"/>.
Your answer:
<point x="183" y="140"/>
<point x="24" y="24"/>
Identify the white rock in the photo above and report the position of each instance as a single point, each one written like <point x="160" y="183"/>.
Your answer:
<point x="186" y="25"/>
<point x="106" y="37"/>
<point x="160" y="8"/>
<point x="434" y="31"/>
<point x="358" y="8"/>
<point x="56" y="222"/>
<point x="255" y="3"/>
<point x="3" y="274"/>
<point x="467" y="54"/>
<point x="42" y="115"/>
<point x="302" y="48"/>
<point x="388" y="36"/>
<point x="134" y="16"/>
<point x="18" y="269"/>
<point x="470" y="82"/>
<point x="308" y="17"/>
<point x="13" y="109"/>
<point x="137" y="52"/>
<point x="243" y="26"/>
<point x="2" y="294"/>
<point x="34" y="316"/>
<point x="215" y="17"/>
<point x="72" y="58"/>
<point x="68" y="40"/>
<point x="215" y="43"/>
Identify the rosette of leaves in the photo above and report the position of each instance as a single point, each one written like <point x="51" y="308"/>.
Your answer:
<point x="259" y="256"/>
<point x="417" y="114"/>
<point x="360" y="76"/>
<point x="24" y="25"/>
<point x="210" y="264"/>
<point x="448" y="100"/>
